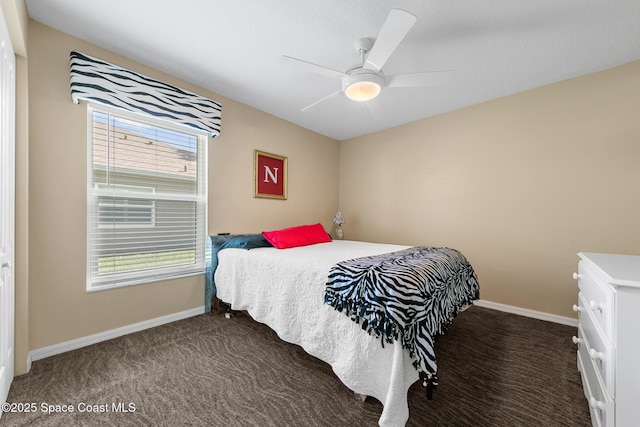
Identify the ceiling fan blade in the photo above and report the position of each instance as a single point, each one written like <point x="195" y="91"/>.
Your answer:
<point x="397" y="25"/>
<point x="326" y="98"/>
<point x="428" y="79"/>
<point x="376" y="109"/>
<point x="314" y="68"/>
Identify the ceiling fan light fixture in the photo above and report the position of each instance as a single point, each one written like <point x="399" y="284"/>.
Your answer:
<point x="363" y="86"/>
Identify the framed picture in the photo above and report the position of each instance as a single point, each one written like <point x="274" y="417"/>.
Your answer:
<point x="270" y="175"/>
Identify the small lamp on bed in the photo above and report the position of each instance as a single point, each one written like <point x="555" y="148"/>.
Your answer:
<point x="338" y="220"/>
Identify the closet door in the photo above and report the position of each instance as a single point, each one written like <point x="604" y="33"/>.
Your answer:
<point x="7" y="208"/>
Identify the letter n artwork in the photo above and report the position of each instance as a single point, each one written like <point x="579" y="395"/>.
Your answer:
<point x="270" y="175"/>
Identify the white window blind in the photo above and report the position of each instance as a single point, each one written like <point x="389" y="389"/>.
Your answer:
<point x="147" y="199"/>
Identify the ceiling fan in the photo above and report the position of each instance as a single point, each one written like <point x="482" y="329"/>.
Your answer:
<point x="364" y="81"/>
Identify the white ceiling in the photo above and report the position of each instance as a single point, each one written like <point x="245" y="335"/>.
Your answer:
<point x="234" y="48"/>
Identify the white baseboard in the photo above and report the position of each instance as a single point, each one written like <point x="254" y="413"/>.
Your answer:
<point x="41" y="353"/>
<point x="527" y="313"/>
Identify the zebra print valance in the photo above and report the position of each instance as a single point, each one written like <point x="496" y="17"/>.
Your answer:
<point x="99" y="81"/>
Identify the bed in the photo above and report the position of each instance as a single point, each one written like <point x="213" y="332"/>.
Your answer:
<point x="288" y="290"/>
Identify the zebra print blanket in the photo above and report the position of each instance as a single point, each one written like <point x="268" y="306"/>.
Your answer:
<point x="410" y="295"/>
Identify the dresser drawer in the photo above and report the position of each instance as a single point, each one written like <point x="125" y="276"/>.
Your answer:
<point x="598" y="298"/>
<point x="596" y="347"/>
<point x="601" y="404"/>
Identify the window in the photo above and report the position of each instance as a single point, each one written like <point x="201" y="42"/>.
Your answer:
<point x="124" y="212"/>
<point x="147" y="199"/>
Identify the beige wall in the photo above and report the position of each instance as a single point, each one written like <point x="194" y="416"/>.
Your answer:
<point x="60" y="309"/>
<point x="17" y="19"/>
<point x="312" y="170"/>
<point x="519" y="185"/>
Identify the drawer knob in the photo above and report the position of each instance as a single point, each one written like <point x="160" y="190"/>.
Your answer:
<point x="576" y="308"/>
<point x="595" y="355"/>
<point x="576" y="276"/>
<point x="576" y="340"/>
<point x="596" y="404"/>
<point x="595" y="306"/>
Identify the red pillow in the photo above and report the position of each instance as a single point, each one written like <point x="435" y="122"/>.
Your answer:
<point x="297" y="236"/>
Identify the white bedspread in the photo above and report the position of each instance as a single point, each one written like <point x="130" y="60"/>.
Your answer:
<point x="284" y="289"/>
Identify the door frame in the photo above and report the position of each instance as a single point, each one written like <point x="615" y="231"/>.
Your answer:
<point x="7" y="209"/>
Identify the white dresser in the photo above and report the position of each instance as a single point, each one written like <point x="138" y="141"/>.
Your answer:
<point x="609" y="337"/>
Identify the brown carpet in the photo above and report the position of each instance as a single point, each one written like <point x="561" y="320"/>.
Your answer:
<point x="495" y="369"/>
